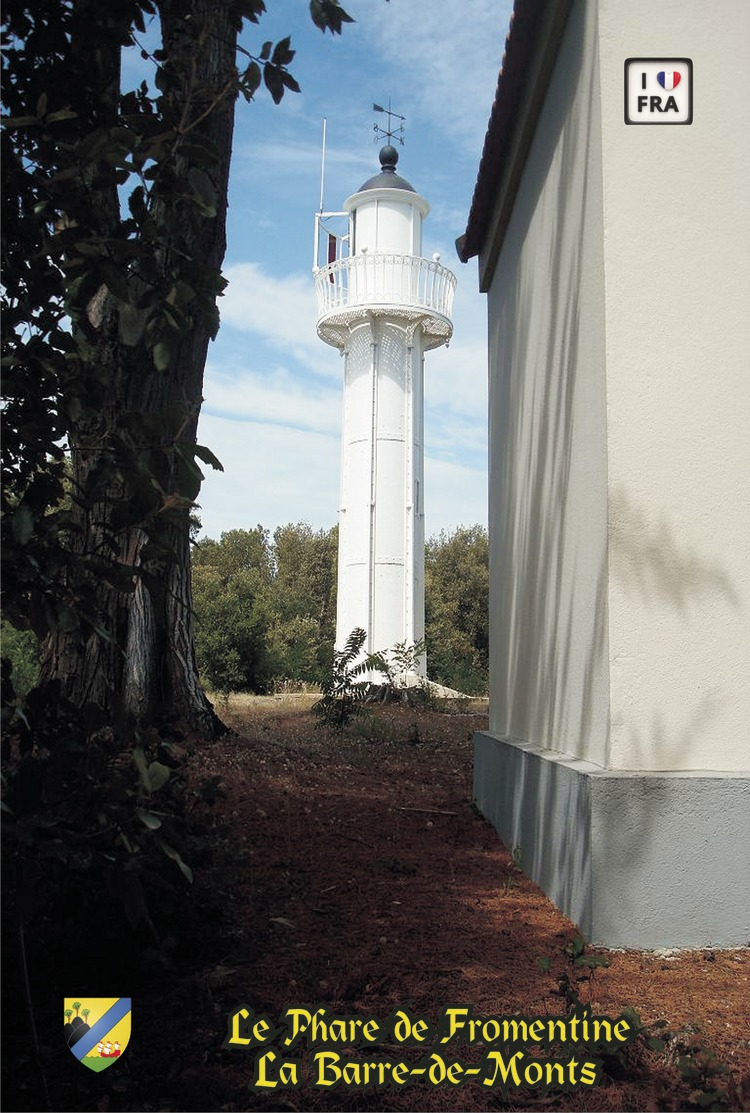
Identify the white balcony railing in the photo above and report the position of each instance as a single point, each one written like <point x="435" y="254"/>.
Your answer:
<point x="384" y="279"/>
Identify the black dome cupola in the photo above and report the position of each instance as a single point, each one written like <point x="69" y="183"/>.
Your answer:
<point x="388" y="178"/>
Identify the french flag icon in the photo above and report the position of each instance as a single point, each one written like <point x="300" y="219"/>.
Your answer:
<point x="668" y="79"/>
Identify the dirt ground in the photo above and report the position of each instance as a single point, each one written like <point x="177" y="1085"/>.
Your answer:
<point x="364" y="882"/>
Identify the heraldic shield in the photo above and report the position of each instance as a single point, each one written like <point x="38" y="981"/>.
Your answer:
<point x="97" y="1029"/>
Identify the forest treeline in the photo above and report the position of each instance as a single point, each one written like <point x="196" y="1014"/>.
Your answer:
<point x="265" y="607"/>
<point x="265" y="610"/>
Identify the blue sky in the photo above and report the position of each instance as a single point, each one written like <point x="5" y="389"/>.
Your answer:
<point x="272" y="388"/>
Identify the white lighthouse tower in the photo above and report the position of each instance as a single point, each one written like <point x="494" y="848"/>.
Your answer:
<point x="383" y="306"/>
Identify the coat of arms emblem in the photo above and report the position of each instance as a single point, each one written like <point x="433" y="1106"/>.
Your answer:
<point x="97" y="1029"/>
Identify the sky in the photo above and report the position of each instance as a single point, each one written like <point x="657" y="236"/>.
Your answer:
<point x="273" y="389"/>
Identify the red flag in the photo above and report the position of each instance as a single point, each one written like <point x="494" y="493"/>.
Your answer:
<point x="332" y="251"/>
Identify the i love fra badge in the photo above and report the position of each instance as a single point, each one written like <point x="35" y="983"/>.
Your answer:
<point x="97" y="1029"/>
<point x="658" y="91"/>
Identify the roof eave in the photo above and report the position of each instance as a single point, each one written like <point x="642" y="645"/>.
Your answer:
<point x="530" y="53"/>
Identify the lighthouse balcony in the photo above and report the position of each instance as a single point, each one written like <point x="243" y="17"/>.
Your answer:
<point x="381" y="283"/>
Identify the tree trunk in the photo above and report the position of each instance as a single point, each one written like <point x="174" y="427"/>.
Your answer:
<point x="123" y="441"/>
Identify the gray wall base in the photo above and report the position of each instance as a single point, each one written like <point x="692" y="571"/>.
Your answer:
<point x="640" y="860"/>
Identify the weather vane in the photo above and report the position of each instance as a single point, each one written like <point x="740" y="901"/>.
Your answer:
<point x="392" y="132"/>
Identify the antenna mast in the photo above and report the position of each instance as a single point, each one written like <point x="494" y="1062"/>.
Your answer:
<point x="320" y="215"/>
<point x="323" y="166"/>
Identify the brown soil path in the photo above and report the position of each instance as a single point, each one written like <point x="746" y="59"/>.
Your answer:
<point x="365" y="881"/>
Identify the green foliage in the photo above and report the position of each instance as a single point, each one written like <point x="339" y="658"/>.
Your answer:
<point x="328" y="15"/>
<point x="707" y="1078"/>
<point x="231" y="596"/>
<point x="645" y="1033"/>
<point x="707" y="1081"/>
<point x="265" y="610"/>
<point x="457" y="609"/>
<point x="22" y="651"/>
<point x="577" y="967"/>
<point x="349" y="684"/>
<point x="403" y="659"/>
<point x="293" y="646"/>
<point x="304" y="602"/>
<point x="98" y="818"/>
<point x="344" y="690"/>
<point x="113" y="239"/>
<point x="75" y="268"/>
<point x="399" y="666"/>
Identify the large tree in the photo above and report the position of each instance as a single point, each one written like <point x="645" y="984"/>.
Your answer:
<point x="265" y="609"/>
<point x="457" y="608"/>
<point x="232" y="586"/>
<point x="304" y="630"/>
<point x="113" y="241"/>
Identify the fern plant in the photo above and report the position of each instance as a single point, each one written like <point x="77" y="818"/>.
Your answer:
<point x="350" y="684"/>
<point x="344" y="691"/>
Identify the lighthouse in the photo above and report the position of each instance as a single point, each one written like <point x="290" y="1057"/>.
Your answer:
<point x="383" y="305"/>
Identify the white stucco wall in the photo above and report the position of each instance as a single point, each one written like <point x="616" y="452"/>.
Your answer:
<point x="619" y="310"/>
<point x="677" y="265"/>
<point x="619" y="403"/>
<point x="548" y="467"/>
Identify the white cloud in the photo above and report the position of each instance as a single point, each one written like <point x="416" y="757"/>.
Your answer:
<point x="275" y="473"/>
<point x="290" y="155"/>
<point x="456" y="377"/>
<point x="275" y="396"/>
<point x="455" y="495"/>
<point x="450" y="52"/>
<point x="272" y="475"/>
<point x="281" y="310"/>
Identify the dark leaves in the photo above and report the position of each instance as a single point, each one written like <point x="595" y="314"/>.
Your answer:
<point x="203" y="191"/>
<point x="112" y="200"/>
<point x="207" y="456"/>
<point x="282" y="52"/>
<point x="251" y="9"/>
<point x="250" y="80"/>
<point x="277" y="80"/>
<point x="328" y="15"/>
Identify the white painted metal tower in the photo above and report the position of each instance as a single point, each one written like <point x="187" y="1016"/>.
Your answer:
<point x="383" y="306"/>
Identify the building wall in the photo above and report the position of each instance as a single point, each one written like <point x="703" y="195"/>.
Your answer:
<point x="619" y="488"/>
<point x="619" y="404"/>
<point x="548" y="428"/>
<point x="635" y="860"/>
<point x="677" y="264"/>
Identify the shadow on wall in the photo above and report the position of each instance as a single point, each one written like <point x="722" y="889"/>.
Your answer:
<point x="559" y="863"/>
<point x="657" y="746"/>
<point x="551" y="510"/>
<point x="549" y="522"/>
<point x="652" y="564"/>
<point x="547" y="470"/>
<point x="657" y="570"/>
<point x="548" y="485"/>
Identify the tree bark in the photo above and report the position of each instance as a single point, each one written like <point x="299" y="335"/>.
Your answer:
<point x="145" y="664"/>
